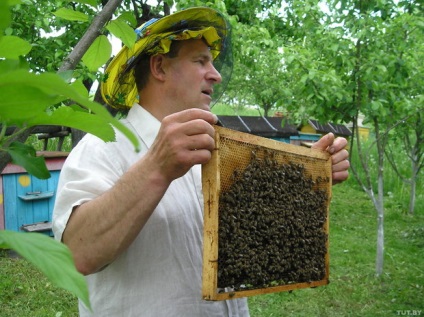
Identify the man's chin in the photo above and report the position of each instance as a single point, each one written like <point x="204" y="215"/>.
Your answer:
<point x="206" y="107"/>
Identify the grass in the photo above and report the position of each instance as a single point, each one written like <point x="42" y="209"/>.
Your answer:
<point x="353" y="290"/>
<point x="25" y="292"/>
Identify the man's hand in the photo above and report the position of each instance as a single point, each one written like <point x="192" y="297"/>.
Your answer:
<point x="185" y="138"/>
<point x="339" y="155"/>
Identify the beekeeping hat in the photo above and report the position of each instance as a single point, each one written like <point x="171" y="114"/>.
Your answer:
<point x="118" y="87"/>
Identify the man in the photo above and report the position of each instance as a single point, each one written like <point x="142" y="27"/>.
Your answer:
<point x="134" y="221"/>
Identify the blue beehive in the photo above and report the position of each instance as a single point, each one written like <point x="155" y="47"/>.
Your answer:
<point x="304" y="138"/>
<point x="27" y="202"/>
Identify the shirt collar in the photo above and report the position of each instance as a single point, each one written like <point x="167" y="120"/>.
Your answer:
<point x="144" y="123"/>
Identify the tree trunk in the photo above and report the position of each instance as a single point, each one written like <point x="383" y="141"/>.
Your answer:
<point x="380" y="243"/>
<point x="414" y="177"/>
<point x="412" y="196"/>
<point x="381" y="142"/>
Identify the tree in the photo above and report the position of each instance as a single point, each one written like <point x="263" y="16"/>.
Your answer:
<point x="258" y="70"/>
<point x="411" y="136"/>
<point x="410" y="132"/>
<point x="347" y="58"/>
<point x="339" y="59"/>
<point x="382" y="82"/>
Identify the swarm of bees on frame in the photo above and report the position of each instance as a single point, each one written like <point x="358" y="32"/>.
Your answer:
<point x="271" y="226"/>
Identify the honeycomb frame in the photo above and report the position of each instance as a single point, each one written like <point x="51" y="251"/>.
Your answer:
<point x="234" y="152"/>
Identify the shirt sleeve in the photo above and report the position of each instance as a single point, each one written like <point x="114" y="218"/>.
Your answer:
<point x="92" y="168"/>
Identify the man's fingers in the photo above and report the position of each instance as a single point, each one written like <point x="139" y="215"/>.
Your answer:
<point x="330" y="144"/>
<point x="342" y="165"/>
<point x="191" y="114"/>
<point x="339" y="177"/>
<point x="338" y="146"/>
<point x="324" y="142"/>
<point x="340" y="156"/>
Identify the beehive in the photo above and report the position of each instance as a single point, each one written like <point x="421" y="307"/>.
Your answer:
<point x="230" y="163"/>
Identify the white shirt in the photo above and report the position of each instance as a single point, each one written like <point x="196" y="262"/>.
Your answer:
<point x="160" y="274"/>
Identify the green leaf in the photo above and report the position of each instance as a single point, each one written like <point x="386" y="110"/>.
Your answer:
<point x="375" y="106"/>
<point x="71" y="15"/>
<point x="290" y="59"/>
<point x="14" y="2"/>
<point x="98" y="53"/>
<point x="51" y="257"/>
<point x="48" y="89"/>
<point x="77" y="119"/>
<point x="18" y="104"/>
<point x="12" y="47"/>
<point x="67" y="75"/>
<point x="78" y="85"/>
<point x="128" y="17"/>
<point x="50" y="85"/>
<point x="5" y="17"/>
<point x="25" y="156"/>
<point x="92" y="3"/>
<point x="122" y="31"/>
<point x="8" y="65"/>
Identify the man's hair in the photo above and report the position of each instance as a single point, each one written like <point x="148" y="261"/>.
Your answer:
<point x="142" y="68"/>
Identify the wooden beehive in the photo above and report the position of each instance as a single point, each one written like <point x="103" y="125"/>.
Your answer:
<point x="26" y="202"/>
<point x="234" y="152"/>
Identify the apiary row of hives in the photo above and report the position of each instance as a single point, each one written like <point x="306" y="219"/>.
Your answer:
<point x="266" y="217"/>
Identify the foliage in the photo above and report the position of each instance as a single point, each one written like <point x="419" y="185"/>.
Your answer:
<point x="30" y="99"/>
<point x="348" y="57"/>
<point x="259" y="76"/>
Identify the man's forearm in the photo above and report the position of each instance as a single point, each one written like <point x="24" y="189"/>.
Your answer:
<point x="101" y="229"/>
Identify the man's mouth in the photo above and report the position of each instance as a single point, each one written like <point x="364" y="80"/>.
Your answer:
<point x="207" y="92"/>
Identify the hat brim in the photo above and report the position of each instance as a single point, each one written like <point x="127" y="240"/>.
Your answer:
<point x="123" y="94"/>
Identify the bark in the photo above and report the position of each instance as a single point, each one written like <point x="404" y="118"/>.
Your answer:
<point x="412" y="197"/>
<point x="380" y="243"/>
<point x="415" y="166"/>
<point x="379" y="203"/>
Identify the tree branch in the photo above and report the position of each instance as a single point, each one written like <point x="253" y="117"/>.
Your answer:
<point x="93" y="31"/>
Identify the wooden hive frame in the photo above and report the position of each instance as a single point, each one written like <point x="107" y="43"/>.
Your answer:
<point x="234" y="151"/>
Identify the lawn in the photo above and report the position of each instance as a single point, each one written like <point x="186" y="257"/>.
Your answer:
<point x="353" y="290"/>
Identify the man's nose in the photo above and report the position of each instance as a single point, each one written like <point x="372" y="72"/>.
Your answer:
<point x="215" y="75"/>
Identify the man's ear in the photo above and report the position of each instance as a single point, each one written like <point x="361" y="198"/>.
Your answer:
<point x="158" y="66"/>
